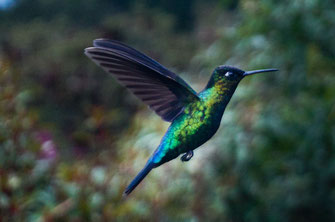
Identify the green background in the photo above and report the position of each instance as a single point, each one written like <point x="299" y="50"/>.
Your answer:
<point x="72" y="138"/>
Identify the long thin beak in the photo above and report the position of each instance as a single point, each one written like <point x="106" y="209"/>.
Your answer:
<point x="259" y="71"/>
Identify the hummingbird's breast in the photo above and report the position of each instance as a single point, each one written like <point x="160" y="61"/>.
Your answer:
<point x="197" y="124"/>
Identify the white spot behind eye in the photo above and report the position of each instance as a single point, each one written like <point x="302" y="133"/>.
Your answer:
<point x="228" y="74"/>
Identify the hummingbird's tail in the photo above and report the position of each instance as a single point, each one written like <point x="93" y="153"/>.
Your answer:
<point x="140" y="176"/>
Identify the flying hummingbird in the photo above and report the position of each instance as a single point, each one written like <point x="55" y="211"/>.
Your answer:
<point x="194" y="117"/>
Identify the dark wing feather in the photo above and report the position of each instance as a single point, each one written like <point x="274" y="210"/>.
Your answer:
<point x="162" y="90"/>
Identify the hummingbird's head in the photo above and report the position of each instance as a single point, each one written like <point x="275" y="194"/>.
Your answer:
<point x="234" y="74"/>
<point x="229" y="73"/>
<point x="229" y="76"/>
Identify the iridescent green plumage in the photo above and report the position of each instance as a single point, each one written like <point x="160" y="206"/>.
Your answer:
<point x="198" y="122"/>
<point x="195" y="117"/>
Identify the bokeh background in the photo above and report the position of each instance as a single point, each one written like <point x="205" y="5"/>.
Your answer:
<point x="71" y="138"/>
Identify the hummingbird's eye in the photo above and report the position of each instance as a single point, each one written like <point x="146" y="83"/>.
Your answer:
<point x="228" y="74"/>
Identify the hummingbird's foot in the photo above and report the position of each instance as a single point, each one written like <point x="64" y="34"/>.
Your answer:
<point x="187" y="156"/>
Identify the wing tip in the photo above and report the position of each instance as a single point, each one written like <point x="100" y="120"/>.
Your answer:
<point x="87" y="51"/>
<point x="96" y="41"/>
<point x="90" y="50"/>
<point x="101" y="42"/>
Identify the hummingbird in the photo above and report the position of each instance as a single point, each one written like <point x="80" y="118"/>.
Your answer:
<point x="195" y="117"/>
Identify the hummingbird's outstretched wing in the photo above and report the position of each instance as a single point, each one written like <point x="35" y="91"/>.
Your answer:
<point x="162" y="90"/>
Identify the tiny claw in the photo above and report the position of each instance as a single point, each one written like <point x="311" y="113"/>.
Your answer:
<point x="187" y="156"/>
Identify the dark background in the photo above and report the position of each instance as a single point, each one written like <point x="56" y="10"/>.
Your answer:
<point x="71" y="138"/>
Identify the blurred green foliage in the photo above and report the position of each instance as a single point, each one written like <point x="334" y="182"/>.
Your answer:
<point x="71" y="138"/>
